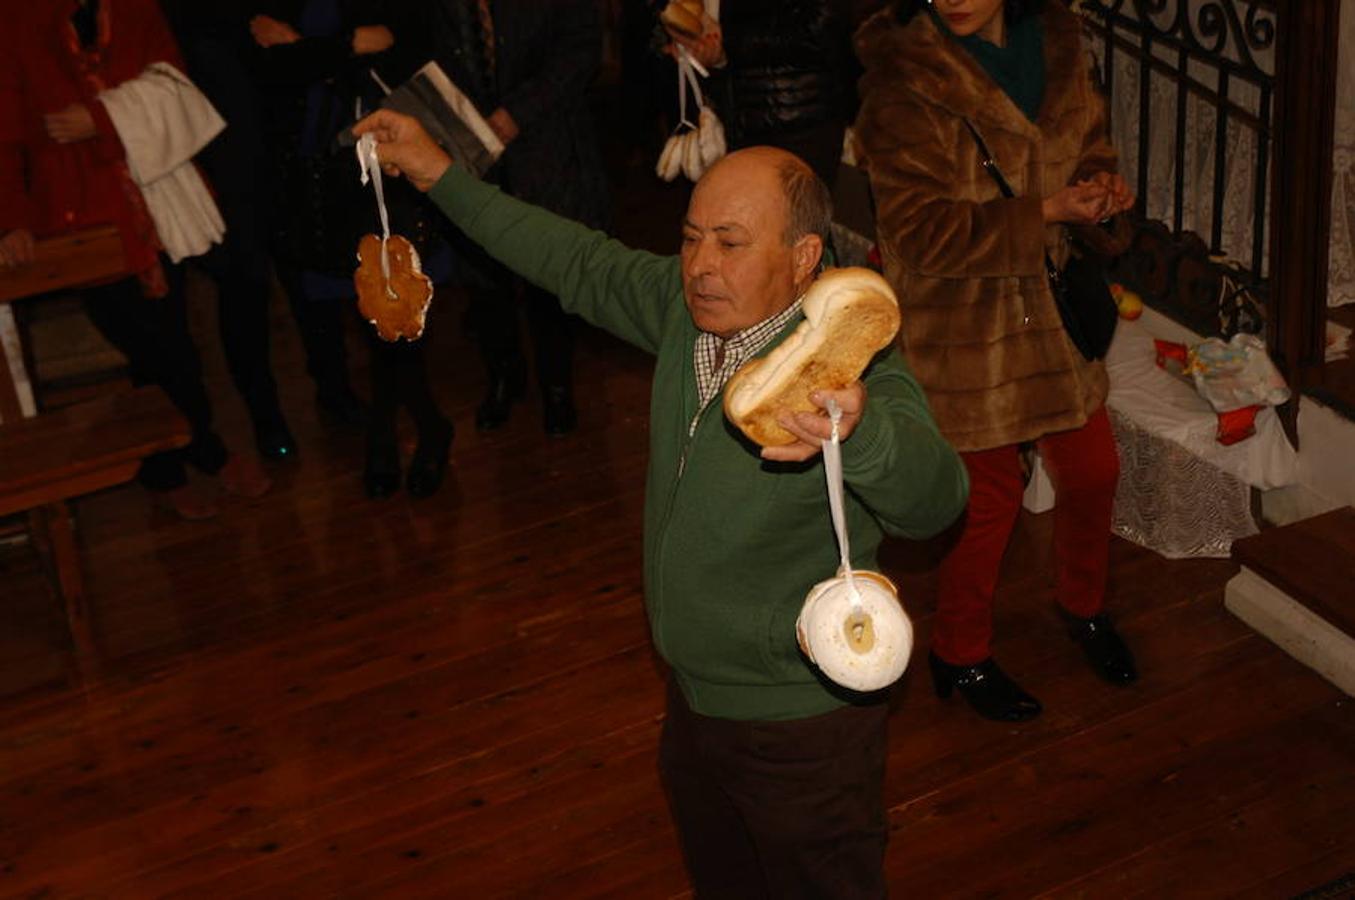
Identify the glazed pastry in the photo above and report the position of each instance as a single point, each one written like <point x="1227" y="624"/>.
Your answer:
<point x="865" y="648"/>
<point x="397" y="305"/>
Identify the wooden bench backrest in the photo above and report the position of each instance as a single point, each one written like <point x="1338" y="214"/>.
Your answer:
<point x="67" y="261"/>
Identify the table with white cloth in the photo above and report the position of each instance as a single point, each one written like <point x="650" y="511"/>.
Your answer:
<point x="1181" y="492"/>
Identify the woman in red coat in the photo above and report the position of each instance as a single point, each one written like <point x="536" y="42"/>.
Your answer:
<point x="62" y="168"/>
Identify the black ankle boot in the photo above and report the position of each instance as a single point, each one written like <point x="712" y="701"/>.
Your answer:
<point x="988" y="689"/>
<point x="505" y="387"/>
<point x="381" y="474"/>
<point x="558" y="414"/>
<point x="429" y="463"/>
<point x="1104" y="648"/>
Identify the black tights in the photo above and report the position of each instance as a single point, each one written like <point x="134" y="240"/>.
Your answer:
<point x="153" y="334"/>
<point x="399" y="377"/>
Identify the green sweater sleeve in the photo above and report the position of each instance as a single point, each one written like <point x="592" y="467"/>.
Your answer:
<point x="896" y="460"/>
<point x="627" y="292"/>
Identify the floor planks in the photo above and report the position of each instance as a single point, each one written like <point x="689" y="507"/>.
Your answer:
<point x="320" y="695"/>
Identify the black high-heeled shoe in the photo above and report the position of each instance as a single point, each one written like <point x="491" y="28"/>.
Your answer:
<point x="381" y="473"/>
<point x="1107" y="652"/>
<point x="429" y="463"/>
<point x="988" y="689"/>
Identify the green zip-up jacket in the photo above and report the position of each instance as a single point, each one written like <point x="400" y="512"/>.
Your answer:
<point x="733" y="543"/>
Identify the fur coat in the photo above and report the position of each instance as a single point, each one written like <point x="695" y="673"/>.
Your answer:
<point x="980" y="327"/>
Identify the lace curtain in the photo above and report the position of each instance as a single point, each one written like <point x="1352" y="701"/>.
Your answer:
<point x="1241" y="159"/>
<point x="1341" y="289"/>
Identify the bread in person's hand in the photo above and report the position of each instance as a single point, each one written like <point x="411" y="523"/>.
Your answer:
<point x="397" y="308"/>
<point x="683" y="17"/>
<point x="850" y="315"/>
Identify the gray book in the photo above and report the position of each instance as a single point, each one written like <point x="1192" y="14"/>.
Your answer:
<point x="449" y="117"/>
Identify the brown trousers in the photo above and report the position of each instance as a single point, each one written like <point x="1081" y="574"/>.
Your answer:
<point x="778" y="810"/>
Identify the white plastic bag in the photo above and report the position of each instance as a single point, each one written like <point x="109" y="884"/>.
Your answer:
<point x="1235" y="374"/>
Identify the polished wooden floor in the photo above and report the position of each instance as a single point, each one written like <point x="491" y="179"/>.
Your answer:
<point x="320" y="695"/>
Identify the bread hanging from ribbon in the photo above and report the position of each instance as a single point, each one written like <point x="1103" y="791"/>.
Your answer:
<point x="393" y="293"/>
<point x="850" y="315"/>
<point x="694" y="146"/>
<point x="852" y="626"/>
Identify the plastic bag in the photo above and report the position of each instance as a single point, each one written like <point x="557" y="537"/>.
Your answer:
<point x="1235" y="374"/>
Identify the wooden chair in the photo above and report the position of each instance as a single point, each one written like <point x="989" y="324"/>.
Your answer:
<point x="50" y="459"/>
<point x="53" y="458"/>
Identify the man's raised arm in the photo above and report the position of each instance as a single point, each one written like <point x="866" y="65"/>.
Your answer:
<point x="628" y="292"/>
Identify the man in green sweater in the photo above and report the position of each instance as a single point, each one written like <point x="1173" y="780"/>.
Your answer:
<point x="774" y="773"/>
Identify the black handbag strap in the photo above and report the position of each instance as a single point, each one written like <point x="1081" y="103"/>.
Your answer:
<point x="989" y="164"/>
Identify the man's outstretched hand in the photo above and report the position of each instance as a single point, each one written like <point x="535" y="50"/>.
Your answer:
<point x="404" y="148"/>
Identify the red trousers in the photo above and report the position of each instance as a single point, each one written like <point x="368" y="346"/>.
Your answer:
<point x="1084" y="468"/>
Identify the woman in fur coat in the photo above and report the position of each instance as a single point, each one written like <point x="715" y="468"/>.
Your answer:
<point x="980" y="327"/>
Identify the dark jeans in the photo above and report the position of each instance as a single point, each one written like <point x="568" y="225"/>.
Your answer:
<point x="778" y="810"/>
<point x="153" y="335"/>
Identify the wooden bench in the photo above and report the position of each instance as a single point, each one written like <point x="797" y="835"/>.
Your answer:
<point x="55" y="457"/>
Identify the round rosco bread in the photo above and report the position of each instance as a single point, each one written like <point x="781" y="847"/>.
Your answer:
<point x="850" y="315"/>
<point x="863" y="647"/>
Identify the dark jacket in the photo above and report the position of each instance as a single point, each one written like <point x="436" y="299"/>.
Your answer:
<point x="547" y="53"/>
<point x="790" y="66"/>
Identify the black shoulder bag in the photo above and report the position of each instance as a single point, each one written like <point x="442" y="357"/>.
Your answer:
<point x="1080" y="288"/>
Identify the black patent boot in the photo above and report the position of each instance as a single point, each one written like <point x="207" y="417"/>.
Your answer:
<point x="1107" y="652"/>
<point x="989" y="690"/>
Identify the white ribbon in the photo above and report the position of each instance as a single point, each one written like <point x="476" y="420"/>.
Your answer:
<point x="370" y="164"/>
<point x="687" y="67"/>
<point x="832" y="468"/>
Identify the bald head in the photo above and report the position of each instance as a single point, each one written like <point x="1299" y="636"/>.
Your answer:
<point x="752" y="239"/>
<point x="809" y="205"/>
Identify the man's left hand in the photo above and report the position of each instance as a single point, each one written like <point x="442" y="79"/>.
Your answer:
<point x="404" y="148"/>
<point x="74" y="123"/>
<point x="812" y="429"/>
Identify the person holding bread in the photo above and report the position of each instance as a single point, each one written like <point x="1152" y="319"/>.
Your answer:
<point x="775" y="775"/>
<point x="981" y="328"/>
<point x="782" y="72"/>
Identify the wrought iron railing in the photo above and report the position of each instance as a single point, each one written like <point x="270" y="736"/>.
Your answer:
<point x="1220" y="52"/>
